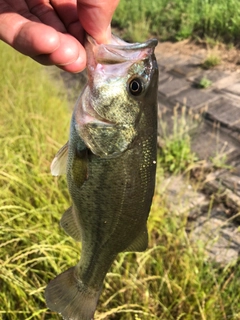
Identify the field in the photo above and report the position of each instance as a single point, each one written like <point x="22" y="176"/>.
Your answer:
<point x="171" y="280"/>
<point x="179" y="19"/>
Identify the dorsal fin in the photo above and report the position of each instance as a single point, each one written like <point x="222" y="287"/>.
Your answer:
<point x="59" y="163"/>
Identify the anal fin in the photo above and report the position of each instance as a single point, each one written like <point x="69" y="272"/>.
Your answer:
<point x="140" y="243"/>
<point x="70" y="224"/>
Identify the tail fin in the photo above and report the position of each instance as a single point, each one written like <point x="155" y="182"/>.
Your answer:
<point x="70" y="297"/>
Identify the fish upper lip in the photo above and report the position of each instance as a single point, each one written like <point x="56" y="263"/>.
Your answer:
<point x="151" y="43"/>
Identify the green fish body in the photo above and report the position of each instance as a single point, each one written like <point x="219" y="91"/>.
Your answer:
<point x="110" y="162"/>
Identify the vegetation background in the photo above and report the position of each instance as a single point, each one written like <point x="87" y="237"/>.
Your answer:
<point x="172" y="279"/>
<point x="179" y="19"/>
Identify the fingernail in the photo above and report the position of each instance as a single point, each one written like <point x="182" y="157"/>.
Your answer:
<point x="76" y="66"/>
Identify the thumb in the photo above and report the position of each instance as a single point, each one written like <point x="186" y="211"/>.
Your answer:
<point x="95" y="17"/>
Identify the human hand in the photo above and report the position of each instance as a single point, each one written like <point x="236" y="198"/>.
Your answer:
<point x="52" y="31"/>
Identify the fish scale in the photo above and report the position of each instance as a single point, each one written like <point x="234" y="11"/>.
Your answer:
<point x="110" y="162"/>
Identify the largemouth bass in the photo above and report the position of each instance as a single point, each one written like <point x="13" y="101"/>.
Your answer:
<point x="110" y="162"/>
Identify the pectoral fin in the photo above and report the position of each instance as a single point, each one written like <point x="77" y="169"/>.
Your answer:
<point x="59" y="163"/>
<point x="79" y="169"/>
<point x="70" y="224"/>
<point x="140" y="243"/>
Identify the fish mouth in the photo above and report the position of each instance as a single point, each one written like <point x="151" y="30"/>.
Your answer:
<point x="119" y="44"/>
<point x="119" y="51"/>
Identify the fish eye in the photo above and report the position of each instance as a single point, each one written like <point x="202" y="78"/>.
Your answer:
<point x="135" y="86"/>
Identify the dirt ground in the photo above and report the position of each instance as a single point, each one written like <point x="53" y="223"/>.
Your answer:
<point x="229" y="55"/>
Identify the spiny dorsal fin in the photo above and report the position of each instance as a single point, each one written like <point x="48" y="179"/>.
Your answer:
<point x="70" y="224"/>
<point x="140" y="243"/>
<point x="59" y="163"/>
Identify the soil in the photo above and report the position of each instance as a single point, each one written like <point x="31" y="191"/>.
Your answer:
<point x="229" y="56"/>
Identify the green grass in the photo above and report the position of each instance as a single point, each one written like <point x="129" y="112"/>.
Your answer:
<point x="171" y="280"/>
<point x="211" y="61"/>
<point x="31" y="201"/>
<point x="180" y="19"/>
<point x="175" y="153"/>
<point x="204" y="83"/>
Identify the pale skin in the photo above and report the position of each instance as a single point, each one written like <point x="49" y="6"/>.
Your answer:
<point x="52" y="31"/>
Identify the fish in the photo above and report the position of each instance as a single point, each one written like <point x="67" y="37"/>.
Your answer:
<point x="110" y="163"/>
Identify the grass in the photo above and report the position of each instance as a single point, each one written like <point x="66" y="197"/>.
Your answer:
<point x="211" y="61"/>
<point x="204" y="83"/>
<point x="171" y="280"/>
<point x="175" y="153"/>
<point x="180" y="19"/>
